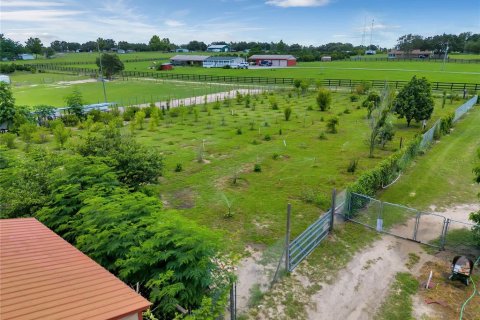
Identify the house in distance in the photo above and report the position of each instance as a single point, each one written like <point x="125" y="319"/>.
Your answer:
<point x="218" y="48"/>
<point x="45" y="277"/>
<point x="220" y="62"/>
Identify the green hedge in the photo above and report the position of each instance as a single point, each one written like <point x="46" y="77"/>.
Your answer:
<point x="372" y="180"/>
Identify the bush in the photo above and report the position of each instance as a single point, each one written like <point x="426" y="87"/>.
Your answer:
<point x="273" y="102"/>
<point x="287" y="112"/>
<point x="129" y="113"/>
<point x="257" y="168"/>
<point x="370" y="181"/>
<point x="70" y="120"/>
<point x="352" y="166"/>
<point x="362" y="88"/>
<point x="275" y="156"/>
<point x="267" y="137"/>
<point x="41" y="136"/>
<point x="446" y="123"/>
<point x="324" y="99"/>
<point x="239" y="131"/>
<point x="322" y="136"/>
<point x="8" y="139"/>
<point x="178" y="167"/>
<point x="332" y="125"/>
<point x="354" y="98"/>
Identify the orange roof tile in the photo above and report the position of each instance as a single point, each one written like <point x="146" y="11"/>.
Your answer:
<point x="44" y="277"/>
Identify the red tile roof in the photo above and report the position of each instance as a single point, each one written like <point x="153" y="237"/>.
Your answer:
<point x="44" y="277"/>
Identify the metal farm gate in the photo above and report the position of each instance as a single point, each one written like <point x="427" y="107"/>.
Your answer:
<point x="427" y="228"/>
<point x="308" y="240"/>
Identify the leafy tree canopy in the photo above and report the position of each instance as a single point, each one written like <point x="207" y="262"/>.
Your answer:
<point x="414" y="101"/>
<point x="111" y="64"/>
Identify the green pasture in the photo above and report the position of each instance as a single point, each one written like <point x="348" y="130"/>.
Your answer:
<point x="357" y="70"/>
<point x="296" y="165"/>
<point x="45" y="88"/>
<point x="444" y="175"/>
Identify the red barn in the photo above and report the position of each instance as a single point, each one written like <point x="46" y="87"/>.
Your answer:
<point x="274" y="60"/>
<point x="166" y="66"/>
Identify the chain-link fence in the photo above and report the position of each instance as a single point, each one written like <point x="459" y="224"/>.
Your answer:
<point x="428" y="228"/>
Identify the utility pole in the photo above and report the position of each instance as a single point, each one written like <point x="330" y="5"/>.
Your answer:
<point x="445" y="54"/>
<point x="101" y="72"/>
<point x="371" y="35"/>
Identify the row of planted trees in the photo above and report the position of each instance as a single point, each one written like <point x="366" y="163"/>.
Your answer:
<point x="99" y="194"/>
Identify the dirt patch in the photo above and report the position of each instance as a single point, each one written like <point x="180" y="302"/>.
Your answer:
<point x="359" y="290"/>
<point x="182" y="199"/>
<point x="445" y="299"/>
<point x="68" y="83"/>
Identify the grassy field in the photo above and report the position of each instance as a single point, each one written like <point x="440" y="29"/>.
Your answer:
<point x="46" y="88"/>
<point x="296" y="165"/>
<point x="357" y="70"/>
<point x="435" y="179"/>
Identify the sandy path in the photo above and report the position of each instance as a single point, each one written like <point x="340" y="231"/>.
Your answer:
<point x="363" y="284"/>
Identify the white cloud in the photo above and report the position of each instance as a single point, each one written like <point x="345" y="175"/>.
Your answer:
<point x="297" y="3"/>
<point x="174" y="23"/>
<point x="36" y="4"/>
<point x="37" y="15"/>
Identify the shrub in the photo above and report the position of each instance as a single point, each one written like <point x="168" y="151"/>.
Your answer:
<point x="129" y="113"/>
<point x="174" y="112"/>
<point x="352" y="166"/>
<point x="255" y="142"/>
<point x="275" y="156"/>
<point x="324" y="99"/>
<point x="273" y="102"/>
<point x="287" y="112"/>
<point x="61" y="134"/>
<point x="257" y="168"/>
<point x="354" y="98"/>
<point x="267" y="137"/>
<point x="140" y="119"/>
<point x="8" y="139"/>
<point x="41" y="136"/>
<point x="280" y="132"/>
<point x="347" y="111"/>
<point x="70" y="120"/>
<point x="27" y="131"/>
<point x="322" y="136"/>
<point x="446" y="123"/>
<point x="332" y="125"/>
<point x="362" y="88"/>
<point x="178" y="167"/>
<point x="239" y="131"/>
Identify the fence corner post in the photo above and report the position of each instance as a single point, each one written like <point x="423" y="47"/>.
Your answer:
<point x="444" y="235"/>
<point x="332" y="210"/>
<point x="287" y="239"/>
<point x="233" y="301"/>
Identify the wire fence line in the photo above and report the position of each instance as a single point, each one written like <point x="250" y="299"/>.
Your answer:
<point x="429" y="136"/>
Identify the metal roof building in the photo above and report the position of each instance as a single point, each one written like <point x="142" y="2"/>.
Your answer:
<point x="277" y="60"/>
<point x="218" y="48"/>
<point x="44" y="277"/>
<point x="185" y="59"/>
<point x="220" y="62"/>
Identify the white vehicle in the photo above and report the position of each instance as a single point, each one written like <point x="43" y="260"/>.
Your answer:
<point x="241" y="65"/>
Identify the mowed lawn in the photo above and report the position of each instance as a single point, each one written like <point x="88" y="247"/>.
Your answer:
<point x="357" y="70"/>
<point x="51" y="89"/>
<point x="443" y="176"/>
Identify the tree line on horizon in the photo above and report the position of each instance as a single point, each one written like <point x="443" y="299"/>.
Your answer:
<point x="466" y="42"/>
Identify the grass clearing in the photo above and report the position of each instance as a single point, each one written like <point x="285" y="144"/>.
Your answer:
<point x="34" y="89"/>
<point x="444" y="175"/>
<point x="398" y="303"/>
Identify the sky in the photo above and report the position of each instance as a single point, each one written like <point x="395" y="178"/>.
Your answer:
<point x="306" y="22"/>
